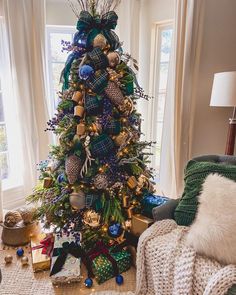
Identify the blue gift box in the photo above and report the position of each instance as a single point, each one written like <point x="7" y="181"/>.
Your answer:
<point x="151" y="201"/>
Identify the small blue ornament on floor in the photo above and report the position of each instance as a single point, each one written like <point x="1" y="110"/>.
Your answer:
<point x="119" y="280"/>
<point x="88" y="283"/>
<point x="20" y="252"/>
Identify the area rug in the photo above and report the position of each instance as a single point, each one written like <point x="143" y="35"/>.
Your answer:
<point x="19" y="280"/>
<point x="112" y="293"/>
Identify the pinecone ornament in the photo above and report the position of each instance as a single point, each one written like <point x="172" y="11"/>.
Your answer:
<point x="114" y="93"/>
<point x="73" y="166"/>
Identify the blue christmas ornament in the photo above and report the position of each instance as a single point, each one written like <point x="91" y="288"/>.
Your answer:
<point x="85" y="72"/>
<point x="80" y="40"/>
<point x="88" y="283"/>
<point x="119" y="280"/>
<point x="115" y="230"/>
<point x="19" y="252"/>
<point x="61" y="178"/>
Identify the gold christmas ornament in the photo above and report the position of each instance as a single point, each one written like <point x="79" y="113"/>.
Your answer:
<point x="77" y="96"/>
<point x="132" y="182"/>
<point x="80" y="129"/>
<point x="78" y="111"/>
<point x="12" y="218"/>
<point x="24" y="260"/>
<point x="105" y="228"/>
<point x="129" y="212"/>
<point x="125" y="202"/>
<point x="92" y="218"/>
<point x="47" y="182"/>
<point x="100" y="41"/>
<point x="127" y="107"/>
<point x="100" y="181"/>
<point x="8" y="258"/>
<point x="77" y="200"/>
<point x="27" y="214"/>
<point x="113" y="59"/>
<point x="121" y="138"/>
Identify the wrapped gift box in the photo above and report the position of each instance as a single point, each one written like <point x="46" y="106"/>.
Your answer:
<point x="103" y="269"/>
<point x="41" y="246"/>
<point x="70" y="271"/>
<point x="139" y="223"/>
<point x="151" y="201"/>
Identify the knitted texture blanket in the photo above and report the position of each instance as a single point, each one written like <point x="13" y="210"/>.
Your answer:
<point x="166" y="266"/>
<point x="195" y="174"/>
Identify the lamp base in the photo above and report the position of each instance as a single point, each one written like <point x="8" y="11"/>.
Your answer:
<point x="229" y="150"/>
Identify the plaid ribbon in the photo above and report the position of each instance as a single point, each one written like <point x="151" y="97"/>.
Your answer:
<point x="96" y="25"/>
<point x="101" y="146"/>
<point x="98" y="81"/>
<point x="113" y="127"/>
<point x="98" y="60"/>
<point x="92" y="105"/>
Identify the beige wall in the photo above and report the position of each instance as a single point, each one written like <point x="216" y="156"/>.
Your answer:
<point x="218" y="54"/>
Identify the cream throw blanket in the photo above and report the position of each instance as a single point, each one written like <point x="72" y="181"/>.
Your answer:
<point x="166" y="266"/>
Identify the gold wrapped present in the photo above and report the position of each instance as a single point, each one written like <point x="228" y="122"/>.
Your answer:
<point x="41" y="247"/>
<point x="140" y="223"/>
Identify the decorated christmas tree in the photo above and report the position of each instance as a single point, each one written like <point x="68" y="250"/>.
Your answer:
<point x="96" y="176"/>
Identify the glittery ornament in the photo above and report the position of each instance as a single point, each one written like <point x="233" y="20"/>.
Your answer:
<point x="121" y="138"/>
<point x="115" y="230"/>
<point x="61" y="178"/>
<point x="12" y="218"/>
<point x="8" y="258"/>
<point x="20" y="252"/>
<point x="100" y="181"/>
<point x="88" y="283"/>
<point x="92" y="218"/>
<point x="114" y="93"/>
<point x="113" y="59"/>
<point x="73" y="166"/>
<point x="100" y="41"/>
<point x="85" y="72"/>
<point x="119" y="280"/>
<point x="77" y="200"/>
<point x="24" y="260"/>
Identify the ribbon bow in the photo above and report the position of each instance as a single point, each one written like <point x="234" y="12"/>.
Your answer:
<point x="96" y="25"/>
<point x="46" y="245"/>
<point x="100" y="249"/>
<point x="62" y="253"/>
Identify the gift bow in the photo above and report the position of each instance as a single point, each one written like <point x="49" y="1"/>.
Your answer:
<point x="46" y="245"/>
<point x="67" y="248"/>
<point x="86" y="21"/>
<point x="100" y="249"/>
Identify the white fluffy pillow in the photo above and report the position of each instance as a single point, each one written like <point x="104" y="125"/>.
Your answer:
<point x="213" y="232"/>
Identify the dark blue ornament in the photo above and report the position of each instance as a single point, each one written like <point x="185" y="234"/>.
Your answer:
<point x="115" y="230"/>
<point x="19" y="252"/>
<point x="88" y="283"/>
<point x="80" y="40"/>
<point x="119" y="280"/>
<point x="85" y="72"/>
<point x="61" y="178"/>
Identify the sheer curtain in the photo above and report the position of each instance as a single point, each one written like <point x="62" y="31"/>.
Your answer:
<point x="24" y="21"/>
<point x="180" y="100"/>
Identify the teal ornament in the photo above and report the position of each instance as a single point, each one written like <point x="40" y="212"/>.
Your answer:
<point x="85" y="72"/>
<point x="115" y="230"/>
<point x="119" y="280"/>
<point x="19" y="252"/>
<point x="88" y="283"/>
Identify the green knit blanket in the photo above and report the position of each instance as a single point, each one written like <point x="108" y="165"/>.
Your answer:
<point x="195" y="175"/>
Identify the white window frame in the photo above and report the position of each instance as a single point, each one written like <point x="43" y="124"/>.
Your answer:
<point x="49" y="30"/>
<point x="154" y="79"/>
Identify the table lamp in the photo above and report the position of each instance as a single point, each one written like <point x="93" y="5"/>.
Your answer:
<point x="224" y="95"/>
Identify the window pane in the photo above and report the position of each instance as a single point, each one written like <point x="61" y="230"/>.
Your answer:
<point x="4" y="165"/>
<point x="163" y="76"/>
<point x="1" y="109"/>
<point x="3" y="138"/>
<point x="166" y="36"/>
<point x="56" y="73"/>
<point x="56" y="46"/>
<point x="161" y="107"/>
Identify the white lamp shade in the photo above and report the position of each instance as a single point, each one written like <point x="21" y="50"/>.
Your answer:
<point x="224" y="90"/>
